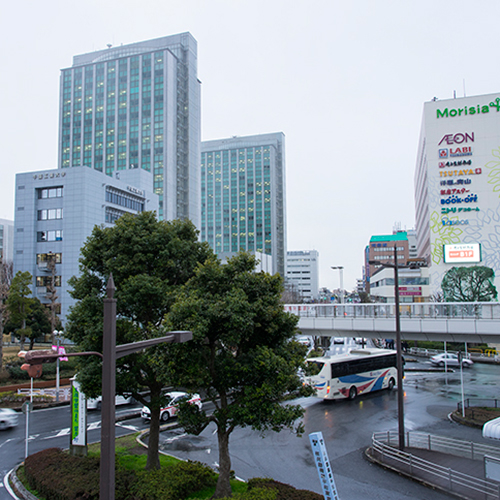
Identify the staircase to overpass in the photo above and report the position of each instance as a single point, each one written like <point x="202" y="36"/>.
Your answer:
<point x="476" y="322"/>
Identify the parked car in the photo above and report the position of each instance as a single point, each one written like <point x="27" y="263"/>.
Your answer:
<point x="8" y="418"/>
<point x="338" y="340"/>
<point x="450" y="360"/>
<point x="96" y="403"/>
<point x="172" y="407"/>
<point x="304" y="341"/>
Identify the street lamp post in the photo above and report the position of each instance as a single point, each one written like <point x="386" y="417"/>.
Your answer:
<point x="57" y="335"/>
<point x="341" y="269"/>
<point x="401" y="418"/>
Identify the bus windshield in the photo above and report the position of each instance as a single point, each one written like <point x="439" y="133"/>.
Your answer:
<point x="313" y="367"/>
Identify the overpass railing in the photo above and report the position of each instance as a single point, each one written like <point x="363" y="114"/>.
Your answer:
<point x="424" y="310"/>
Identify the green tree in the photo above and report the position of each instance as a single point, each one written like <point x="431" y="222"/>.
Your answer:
<point x="19" y="303"/>
<point x="6" y="275"/>
<point x="469" y="284"/>
<point x="149" y="260"/>
<point x="37" y="322"/>
<point x="242" y="356"/>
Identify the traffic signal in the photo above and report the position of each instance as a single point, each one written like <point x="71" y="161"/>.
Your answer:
<point x="35" y="359"/>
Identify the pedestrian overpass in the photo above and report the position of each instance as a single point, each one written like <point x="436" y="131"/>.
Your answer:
<point x="476" y="322"/>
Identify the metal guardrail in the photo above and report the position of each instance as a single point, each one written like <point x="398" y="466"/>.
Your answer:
<point x="479" y="403"/>
<point x="384" y="447"/>
<point x="433" y="310"/>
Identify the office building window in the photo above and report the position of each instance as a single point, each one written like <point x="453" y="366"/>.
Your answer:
<point x="55" y="192"/>
<point x="49" y="236"/>
<point x="50" y="214"/>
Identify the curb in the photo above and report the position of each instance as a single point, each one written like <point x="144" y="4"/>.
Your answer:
<point x="18" y="486"/>
<point x="373" y="460"/>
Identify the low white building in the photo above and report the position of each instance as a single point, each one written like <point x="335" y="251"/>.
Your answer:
<point x="413" y="285"/>
<point x="302" y="272"/>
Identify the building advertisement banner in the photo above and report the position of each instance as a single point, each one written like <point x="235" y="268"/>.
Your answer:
<point x="460" y="254"/>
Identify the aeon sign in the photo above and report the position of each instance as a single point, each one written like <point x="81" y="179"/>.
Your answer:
<point x="459" y="138"/>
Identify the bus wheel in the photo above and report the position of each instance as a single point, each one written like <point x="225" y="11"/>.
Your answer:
<point x="391" y="384"/>
<point x="352" y="392"/>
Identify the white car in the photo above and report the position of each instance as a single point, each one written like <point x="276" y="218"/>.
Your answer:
<point x="96" y="403"/>
<point x="450" y="360"/>
<point x="8" y="418"/>
<point x="338" y="340"/>
<point x="172" y="407"/>
<point x="304" y="341"/>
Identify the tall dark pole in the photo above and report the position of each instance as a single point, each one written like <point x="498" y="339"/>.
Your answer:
<point x="107" y="469"/>
<point x="401" y="418"/>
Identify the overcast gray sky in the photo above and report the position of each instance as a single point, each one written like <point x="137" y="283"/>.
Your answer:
<point x="345" y="81"/>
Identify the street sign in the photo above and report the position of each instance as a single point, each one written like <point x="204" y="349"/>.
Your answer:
<point x="322" y="462"/>
<point x="27" y="407"/>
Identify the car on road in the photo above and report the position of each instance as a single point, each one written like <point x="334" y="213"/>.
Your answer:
<point x="8" y="418"/>
<point x="304" y="341"/>
<point x="449" y="359"/>
<point x="338" y="340"/>
<point x="172" y="407"/>
<point x="96" y="403"/>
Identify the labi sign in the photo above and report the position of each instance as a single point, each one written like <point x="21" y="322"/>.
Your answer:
<point x="469" y="110"/>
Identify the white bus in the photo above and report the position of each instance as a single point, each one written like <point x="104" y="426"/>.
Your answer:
<point x="349" y="375"/>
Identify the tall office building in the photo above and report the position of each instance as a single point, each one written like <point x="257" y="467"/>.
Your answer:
<point x="243" y="196"/>
<point x="137" y="106"/>
<point x="457" y="181"/>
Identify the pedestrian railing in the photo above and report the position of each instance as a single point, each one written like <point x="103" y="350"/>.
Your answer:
<point x="423" y="310"/>
<point x="384" y="448"/>
<point x="478" y="403"/>
<point x="64" y="393"/>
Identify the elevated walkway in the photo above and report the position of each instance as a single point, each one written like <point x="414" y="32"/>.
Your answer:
<point x="452" y="322"/>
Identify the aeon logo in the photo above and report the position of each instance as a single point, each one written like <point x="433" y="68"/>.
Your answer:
<point x="457" y="138"/>
<point x="449" y="222"/>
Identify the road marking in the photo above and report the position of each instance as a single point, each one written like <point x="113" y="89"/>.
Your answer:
<point x="31" y="438"/>
<point x="175" y="438"/>
<point x="129" y="427"/>
<point x="7" y="485"/>
<point x="5" y="442"/>
<point x="93" y="426"/>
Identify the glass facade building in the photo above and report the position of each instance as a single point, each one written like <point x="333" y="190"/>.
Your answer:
<point x="137" y="106"/>
<point x="243" y="196"/>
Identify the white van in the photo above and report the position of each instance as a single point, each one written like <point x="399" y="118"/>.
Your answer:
<point x="95" y="404"/>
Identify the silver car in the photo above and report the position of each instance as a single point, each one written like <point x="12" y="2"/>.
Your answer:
<point x="449" y="359"/>
<point x="8" y="418"/>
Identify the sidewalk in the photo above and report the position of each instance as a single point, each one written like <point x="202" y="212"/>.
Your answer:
<point x="458" y="476"/>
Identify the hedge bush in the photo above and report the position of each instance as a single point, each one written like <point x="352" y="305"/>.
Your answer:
<point x="284" y="491"/>
<point x="78" y="478"/>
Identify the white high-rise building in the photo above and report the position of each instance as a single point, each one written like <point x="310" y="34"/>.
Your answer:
<point x="6" y="240"/>
<point x="457" y="185"/>
<point x="302" y="271"/>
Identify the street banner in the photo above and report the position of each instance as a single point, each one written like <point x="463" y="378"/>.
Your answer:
<point x="78" y="415"/>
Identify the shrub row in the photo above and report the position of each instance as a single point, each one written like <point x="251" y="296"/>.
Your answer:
<point x="56" y="475"/>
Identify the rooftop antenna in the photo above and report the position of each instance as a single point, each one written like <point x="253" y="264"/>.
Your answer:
<point x="464" y="89"/>
<point x="454" y="94"/>
<point x="109" y="45"/>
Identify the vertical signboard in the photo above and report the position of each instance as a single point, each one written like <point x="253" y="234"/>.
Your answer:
<point x="323" y="466"/>
<point x="78" y="416"/>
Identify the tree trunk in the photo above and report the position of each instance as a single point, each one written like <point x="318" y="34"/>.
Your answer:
<point x="223" y="487"/>
<point x="153" y="461"/>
